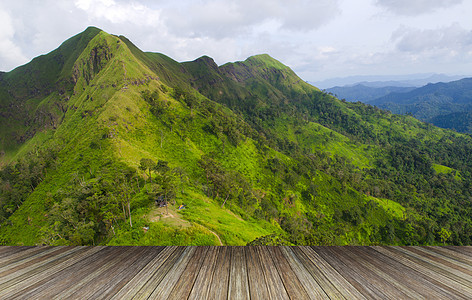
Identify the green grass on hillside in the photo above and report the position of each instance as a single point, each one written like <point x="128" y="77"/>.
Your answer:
<point x="292" y="163"/>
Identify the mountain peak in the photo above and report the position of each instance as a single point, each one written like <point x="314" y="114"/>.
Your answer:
<point x="208" y="61"/>
<point x="92" y="29"/>
<point x="265" y="60"/>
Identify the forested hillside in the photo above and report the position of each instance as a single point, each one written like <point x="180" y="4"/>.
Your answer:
<point x="364" y="93"/>
<point x="446" y="105"/>
<point x="105" y="144"/>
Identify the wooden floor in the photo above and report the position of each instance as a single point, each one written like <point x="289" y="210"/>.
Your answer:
<point x="235" y="272"/>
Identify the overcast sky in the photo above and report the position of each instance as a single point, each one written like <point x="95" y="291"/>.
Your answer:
<point x="318" y="39"/>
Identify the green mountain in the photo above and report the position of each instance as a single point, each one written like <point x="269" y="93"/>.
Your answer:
<point x="442" y="104"/>
<point x="105" y="144"/>
<point x="363" y="93"/>
<point x="458" y="121"/>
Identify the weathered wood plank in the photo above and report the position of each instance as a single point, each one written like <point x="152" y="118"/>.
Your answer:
<point x="274" y="282"/>
<point x="378" y="270"/>
<point x="9" y="252"/>
<point x="257" y="283"/>
<point x="85" y="283"/>
<point x="69" y="273"/>
<point x="220" y="277"/>
<point x="238" y="281"/>
<point x="202" y="284"/>
<point x="439" y="268"/>
<point x="163" y="290"/>
<point x="338" y="281"/>
<point x="466" y="250"/>
<point x="184" y="285"/>
<point x="44" y="269"/>
<point x="293" y="286"/>
<point x="156" y="278"/>
<point x="312" y="288"/>
<point x="106" y="286"/>
<point x="235" y="272"/>
<point x="364" y="286"/>
<point x="444" y="260"/>
<point x="24" y="262"/>
<point x="21" y="272"/>
<point x="387" y="288"/>
<point x="133" y="286"/>
<point x="330" y="290"/>
<point x="453" y="255"/>
<point x="449" y="287"/>
<point x="69" y="279"/>
<point x="412" y="281"/>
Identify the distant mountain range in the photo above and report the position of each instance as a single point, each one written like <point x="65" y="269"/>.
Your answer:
<point x="447" y="105"/>
<point x="412" y="80"/>
<point x="363" y="93"/>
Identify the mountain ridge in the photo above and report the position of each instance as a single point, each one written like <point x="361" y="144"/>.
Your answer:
<point x="251" y="151"/>
<point x="364" y="93"/>
<point x="431" y="101"/>
<point x="408" y="80"/>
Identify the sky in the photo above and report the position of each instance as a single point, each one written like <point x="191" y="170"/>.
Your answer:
<point x="319" y="39"/>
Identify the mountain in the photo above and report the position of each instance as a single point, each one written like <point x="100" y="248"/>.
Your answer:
<point x="458" y="121"/>
<point x="104" y="144"/>
<point x="412" y="80"/>
<point x="32" y="96"/>
<point x="365" y="93"/>
<point x="433" y="102"/>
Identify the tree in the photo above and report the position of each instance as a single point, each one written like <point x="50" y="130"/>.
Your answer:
<point x="147" y="164"/>
<point x="125" y="189"/>
<point x="161" y="167"/>
<point x="182" y="175"/>
<point x="166" y="180"/>
<point x="191" y="102"/>
<point x="310" y="193"/>
<point x="229" y="185"/>
<point x="444" y="235"/>
<point x="212" y="170"/>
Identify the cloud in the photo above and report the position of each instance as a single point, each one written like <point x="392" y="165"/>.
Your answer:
<point x="316" y="38"/>
<point x="10" y="53"/>
<point x="218" y="19"/>
<point x="117" y="12"/>
<point x="453" y="38"/>
<point x="415" y="7"/>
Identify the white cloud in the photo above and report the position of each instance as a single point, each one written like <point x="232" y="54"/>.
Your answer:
<point x="452" y="38"/>
<point x="10" y="53"/>
<point x="116" y="12"/>
<point x="318" y="39"/>
<point x="218" y="19"/>
<point x="416" y="7"/>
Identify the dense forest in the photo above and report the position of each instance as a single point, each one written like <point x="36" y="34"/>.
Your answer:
<point x="446" y="105"/>
<point x="121" y="147"/>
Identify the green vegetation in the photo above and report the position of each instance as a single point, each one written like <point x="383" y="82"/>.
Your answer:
<point x="447" y="105"/>
<point x="131" y="148"/>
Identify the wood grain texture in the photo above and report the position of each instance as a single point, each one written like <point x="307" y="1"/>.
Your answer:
<point x="310" y="285"/>
<point x="292" y="284"/>
<point x="238" y="281"/>
<point x="204" y="278"/>
<point x="257" y="283"/>
<point x="178" y="272"/>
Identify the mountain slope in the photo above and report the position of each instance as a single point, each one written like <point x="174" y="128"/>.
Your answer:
<point x="364" y="93"/>
<point x="431" y="101"/>
<point x="458" y="121"/>
<point x="106" y="119"/>
<point x="251" y="152"/>
<point x="33" y="96"/>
